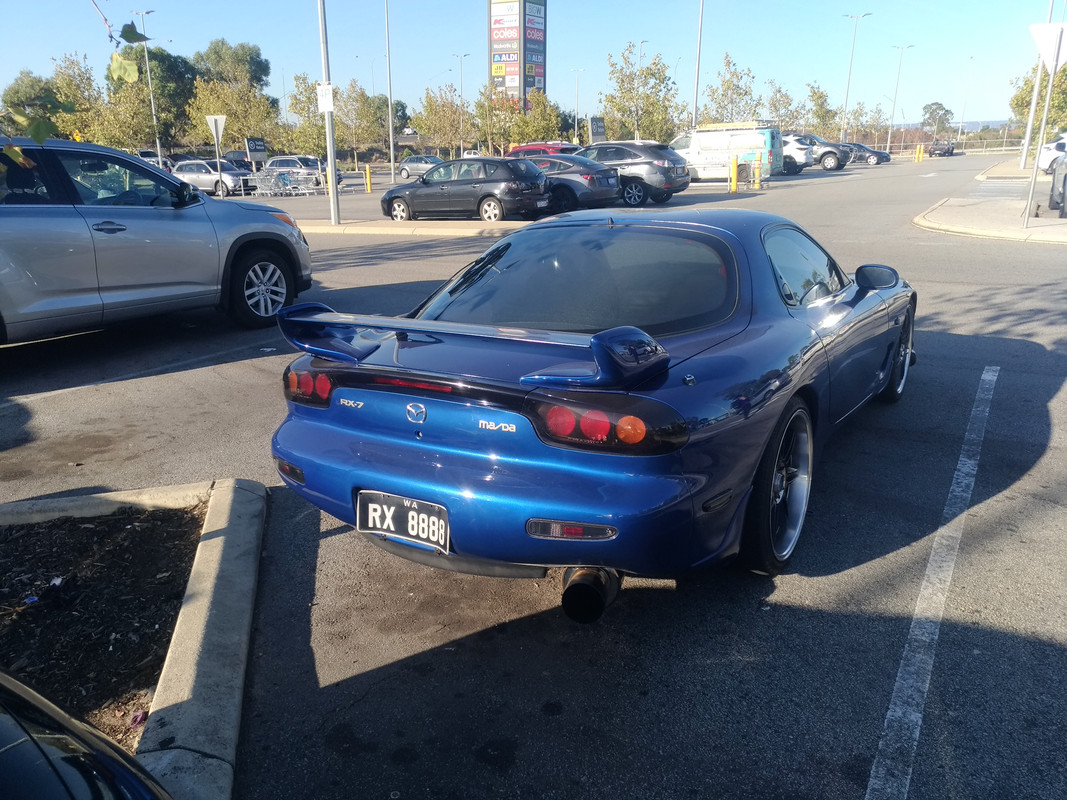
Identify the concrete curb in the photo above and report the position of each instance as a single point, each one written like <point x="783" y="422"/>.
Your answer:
<point x="190" y="740"/>
<point x="1046" y="232"/>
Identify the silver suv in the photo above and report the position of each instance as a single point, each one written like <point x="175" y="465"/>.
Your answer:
<point x="647" y="170"/>
<point x="91" y="235"/>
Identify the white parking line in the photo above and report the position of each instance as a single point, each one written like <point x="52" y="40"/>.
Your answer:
<point x="891" y="772"/>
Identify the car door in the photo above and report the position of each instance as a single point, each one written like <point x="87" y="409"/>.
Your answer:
<point x="149" y="253"/>
<point x="466" y="188"/>
<point x="853" y="324"/>
<point x="430" y="195"/>
<point x="47" y="263"/>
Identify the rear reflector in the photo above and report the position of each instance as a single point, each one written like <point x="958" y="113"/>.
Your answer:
<point x="291" y="471"/>
<point x="551" y="529"/>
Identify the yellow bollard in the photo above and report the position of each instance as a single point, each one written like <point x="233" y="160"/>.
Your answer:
<point x="733" y="174"/>
<point x="367" y="178"/>
<point x="757" y="166"/>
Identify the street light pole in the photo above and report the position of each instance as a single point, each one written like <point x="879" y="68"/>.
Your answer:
<point x="848" y="82"/>
<point x="696" y="76"/>
<point x="577" y="136"/>
<point x="966" y="91"/>
<point x="462" y="110"/>
<point x="331" y="152"/>
<point x="637" y="89"/>
<point x="151" y="94"/>
<point x="893" y="113"/>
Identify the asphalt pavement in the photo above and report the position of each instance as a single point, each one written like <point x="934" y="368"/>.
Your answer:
<point x="190" y="739"/>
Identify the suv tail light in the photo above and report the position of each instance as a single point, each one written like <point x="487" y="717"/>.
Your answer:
<point x="605" y="422"/>
<point x="662" y="162"/>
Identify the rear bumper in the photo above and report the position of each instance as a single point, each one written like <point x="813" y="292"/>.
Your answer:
<point x="526" y="203"/>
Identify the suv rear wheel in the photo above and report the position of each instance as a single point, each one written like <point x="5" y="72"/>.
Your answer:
<point x="634" y="193"/>
<point x="261" y="285"/>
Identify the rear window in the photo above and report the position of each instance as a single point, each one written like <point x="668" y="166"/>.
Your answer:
<point x="527" y="170"/>
<point x="590" y="279"/>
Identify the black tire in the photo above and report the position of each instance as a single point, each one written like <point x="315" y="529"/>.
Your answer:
<point x="659" y="198"/>
<point x="221" y="189"/>
<point x="491" y="210"/>
<point x="634" y="194"/>
<point x="789" y="166"/>
<point x="898" y="374"/>
<point x="780" y="492"/>
<point x="399" y="210"/>
<point x="404" y="173"/>
<point x="744" y="173"/>
<point x="261" y="284"/>
<point x="1053" y="205"/>
<point x="872" y="160"/>
<point x="1063" y="200"/>
<point x="830" y="162"/>
<point x="563" y="200"/>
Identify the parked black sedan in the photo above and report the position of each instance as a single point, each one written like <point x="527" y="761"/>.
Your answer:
<point x="868" y="154"/>
<point x="577" y="182"/>
<point x="490" y="188"/>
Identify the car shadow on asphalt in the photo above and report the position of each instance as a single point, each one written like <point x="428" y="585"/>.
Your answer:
<point x="372" y="672"/>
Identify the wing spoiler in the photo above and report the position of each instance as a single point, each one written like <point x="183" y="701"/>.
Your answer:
<point x="615" y="358"/>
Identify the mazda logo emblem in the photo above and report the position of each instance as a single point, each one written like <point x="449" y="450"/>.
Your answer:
<point x="416" y="413"/>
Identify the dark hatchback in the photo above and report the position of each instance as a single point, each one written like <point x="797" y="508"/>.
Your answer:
<point x="490" y="188"/>
<point x="577" y="182"/>
<point x="647" y="170"/>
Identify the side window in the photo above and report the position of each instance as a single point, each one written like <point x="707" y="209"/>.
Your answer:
<point x="805" y="272"/>
<point x="24" y="184"/>
<point x="445" y="172"/>
<point x="104" y="180"/>
<point x="491" y="169"/>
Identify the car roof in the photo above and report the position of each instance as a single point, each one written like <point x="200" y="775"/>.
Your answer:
<point x="737" y="223"/>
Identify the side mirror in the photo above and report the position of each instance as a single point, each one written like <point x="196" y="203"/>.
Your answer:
<point x="872" y="277"/>
<point x="186" y="195"/>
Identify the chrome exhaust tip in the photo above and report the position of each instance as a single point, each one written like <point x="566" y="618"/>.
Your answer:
<point x="587" y="591"/>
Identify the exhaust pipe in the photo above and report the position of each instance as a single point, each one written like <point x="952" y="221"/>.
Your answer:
<point x="587" y="591"/>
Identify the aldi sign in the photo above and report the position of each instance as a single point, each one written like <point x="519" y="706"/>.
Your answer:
<point x="503" y="58"/>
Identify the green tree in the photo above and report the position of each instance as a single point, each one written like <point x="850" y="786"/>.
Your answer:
<point x="75" y="88"/>
<point x="237" y="63"/>
<point x="936" y="118"/>
<point x="643" y="101"/>
<point x="249" y="112"/>
<point x="125" y="120"/>
<point x="440" y="117"/>
<point x="734" y="99"/>
<point x="540" y="123"/>
<point x="822" y="118"/>
<point x="495" y="117"/>
<point x="30" y="100"/>
<point x="783" y="109"/>
<point x="1057" y="112"/>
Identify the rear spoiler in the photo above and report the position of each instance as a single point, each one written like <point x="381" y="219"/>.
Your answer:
<point x="621" y="357"/>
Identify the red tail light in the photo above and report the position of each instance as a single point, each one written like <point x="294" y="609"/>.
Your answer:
<point x="307" y="387"/>
<point x="607" y="422"/>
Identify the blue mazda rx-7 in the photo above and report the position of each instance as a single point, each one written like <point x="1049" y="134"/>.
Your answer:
<point x="609" y="392"/>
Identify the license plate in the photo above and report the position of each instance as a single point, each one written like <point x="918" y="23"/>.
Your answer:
<point x="542" y="204"/>
<point x="680" y="170"/>
<point x="402" y="518"/>
<point x="612" y="182"/>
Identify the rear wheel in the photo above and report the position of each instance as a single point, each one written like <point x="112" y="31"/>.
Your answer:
<point x="780" y="492"/>
<point x="404" y="173"/>
<point x="634" y="193"/>
<point x="744" y="173"/>
<point x="563" y="200"/>
<point x="1063" y="198"/>
<point x="894" y="390"/>
<point x="789" y="166"/>
<point x="490" y="210"/>
<point x="1053" y="203"/>
<point x="660" y="197"/>
<point x="260" y="286"/>
<point x="221" y="189"/>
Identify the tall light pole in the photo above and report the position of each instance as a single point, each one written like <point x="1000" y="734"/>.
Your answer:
<point x="331" y="152"/>
<point x="848" y="82"/>
<point x="389" y="98"/>
<point x="462" y="110"/>
<point x="637" y="87"/>
<point x="576" y="71"/>
<point x="696" y="76"/>
<point x="151" y="94"/>
<point x="893" y="113"/>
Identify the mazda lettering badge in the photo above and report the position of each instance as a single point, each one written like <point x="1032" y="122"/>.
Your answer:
<point x="416" y="413"/>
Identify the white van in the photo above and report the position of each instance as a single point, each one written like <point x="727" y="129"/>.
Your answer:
<point x="709" y="149"/>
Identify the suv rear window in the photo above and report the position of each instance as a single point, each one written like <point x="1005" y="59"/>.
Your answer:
<point x="590" y="279"/>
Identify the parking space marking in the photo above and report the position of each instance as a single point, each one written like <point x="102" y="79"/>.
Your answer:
<point x="891" y="771"/>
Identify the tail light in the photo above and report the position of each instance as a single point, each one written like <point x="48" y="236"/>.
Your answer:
<point x="309" y="387"/>
<point x="662" y="163"/>
<point x="606" y="422"/>
<point x="588" y="177"/>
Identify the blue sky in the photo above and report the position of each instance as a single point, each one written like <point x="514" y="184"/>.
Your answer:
<point x="964" y="55"/>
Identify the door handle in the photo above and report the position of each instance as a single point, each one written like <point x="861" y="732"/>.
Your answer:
<point x="109" y="227"/>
